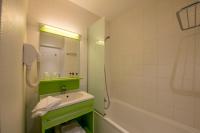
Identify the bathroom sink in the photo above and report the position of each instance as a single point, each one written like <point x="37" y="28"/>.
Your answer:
<point x="72" y="98"/>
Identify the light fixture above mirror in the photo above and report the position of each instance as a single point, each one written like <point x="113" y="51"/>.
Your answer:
<point x="58" y="31"/>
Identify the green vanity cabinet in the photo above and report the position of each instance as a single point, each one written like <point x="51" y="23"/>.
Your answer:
<point x="81" y="112"/>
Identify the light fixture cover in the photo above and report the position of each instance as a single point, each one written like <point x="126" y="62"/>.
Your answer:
<point x="58" y="31"/>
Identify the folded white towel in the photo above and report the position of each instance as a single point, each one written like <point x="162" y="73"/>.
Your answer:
<point x="74" y="130"/>
<point x="45" y="105"/>
<point x="72" y="127"/>
<point x="39" y="113"/>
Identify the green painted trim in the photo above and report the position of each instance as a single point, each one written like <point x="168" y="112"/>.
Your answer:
<point x="87" y="122"/>
<point x="61" y="79"/>
<point x="54" y="85"/>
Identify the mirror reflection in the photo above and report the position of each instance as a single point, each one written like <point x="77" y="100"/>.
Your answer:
<point x="60" y="56"/>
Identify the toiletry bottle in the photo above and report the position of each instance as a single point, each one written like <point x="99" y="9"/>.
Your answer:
<point x="70" y="74"/>
<point x="77" y="75"/>
<point x="73" y="74"/>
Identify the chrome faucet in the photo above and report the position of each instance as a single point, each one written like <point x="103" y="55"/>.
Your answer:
<point x="63" y="89"/>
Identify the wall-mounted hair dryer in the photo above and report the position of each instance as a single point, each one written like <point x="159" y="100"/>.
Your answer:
<point x="30" y="54"/>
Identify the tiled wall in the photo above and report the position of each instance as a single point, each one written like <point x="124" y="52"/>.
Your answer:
<point x="145" y="41"/>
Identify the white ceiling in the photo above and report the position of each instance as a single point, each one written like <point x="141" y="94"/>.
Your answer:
<point x="105" y="8"/>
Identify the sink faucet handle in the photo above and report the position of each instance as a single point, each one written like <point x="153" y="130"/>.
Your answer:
<point x="63" y="88"/>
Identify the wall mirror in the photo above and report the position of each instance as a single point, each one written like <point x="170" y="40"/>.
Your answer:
<point x="60" y="56"/>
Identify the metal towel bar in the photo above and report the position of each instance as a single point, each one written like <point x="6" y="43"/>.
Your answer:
<point x="185" y="12"/>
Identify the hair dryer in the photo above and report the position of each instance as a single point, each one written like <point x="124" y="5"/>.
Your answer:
<point x="30" y="54"/>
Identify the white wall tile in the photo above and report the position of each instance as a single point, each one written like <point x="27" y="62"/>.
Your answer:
<point x="185" y="103"/>
<point x="164" y="85"/>
<point x="197" y="113"/>
<point x="165" y="110"/>
<point x="165" y="71"/>
<point x="150" y="71"/>
<point x="185" y="117"/>
<point x="150" y="52"/>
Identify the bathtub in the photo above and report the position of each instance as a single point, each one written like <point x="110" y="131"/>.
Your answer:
<point x="124" y="118"/>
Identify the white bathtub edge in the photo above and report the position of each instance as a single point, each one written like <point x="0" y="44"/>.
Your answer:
<point x="161" y="118"/>
<point x="112" y="123"/>
<point x="121" y="129"/>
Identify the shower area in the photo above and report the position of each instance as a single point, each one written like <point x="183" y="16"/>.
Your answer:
<point x="144" y="69"/>
<point x="98" y="76"/>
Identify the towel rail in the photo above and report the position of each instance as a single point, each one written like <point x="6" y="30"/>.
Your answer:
<point x="185" y="11"/>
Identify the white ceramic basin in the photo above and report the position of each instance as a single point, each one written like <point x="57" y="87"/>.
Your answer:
<point x="73" y="97"/>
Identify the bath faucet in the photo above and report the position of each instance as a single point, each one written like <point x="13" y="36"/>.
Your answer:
<point x="63" y="89"/>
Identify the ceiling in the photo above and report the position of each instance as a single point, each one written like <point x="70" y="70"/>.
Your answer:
<point x="105" y="8"/>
